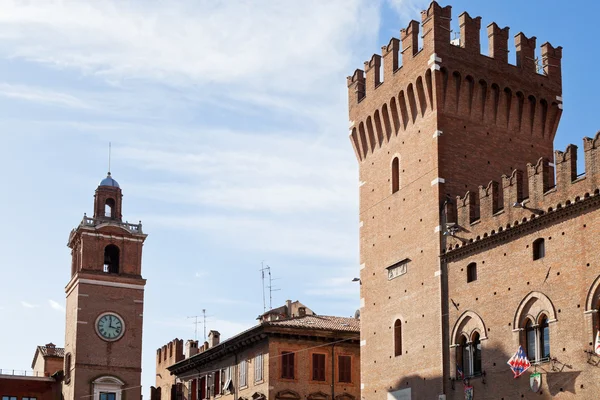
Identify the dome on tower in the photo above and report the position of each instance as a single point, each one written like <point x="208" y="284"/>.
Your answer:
<point x="109" y="181"/>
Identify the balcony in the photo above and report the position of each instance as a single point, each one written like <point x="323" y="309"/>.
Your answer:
<point x="93" y="222"/>
<point x="16" y="372"/>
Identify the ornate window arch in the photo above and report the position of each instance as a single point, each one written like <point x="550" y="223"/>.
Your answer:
<point x="318" y="396"/>
<point x="592" y="310"/>
<point x="532" y="321"/>
<point x="287" y="395"/>
<point x="533" y="306"/>
<point x="469" y="330"/>
<point x="107" y="388"/>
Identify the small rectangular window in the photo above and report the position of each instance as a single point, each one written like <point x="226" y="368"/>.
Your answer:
<point x="287" y="365"/>
<point x="318" y="367"/>
<point x="258" y="368"/>
<point x="243" y="373"/>
<point x="345" y="369"/>
<point x="218" y="382"/>
<point x="471" y="272"/>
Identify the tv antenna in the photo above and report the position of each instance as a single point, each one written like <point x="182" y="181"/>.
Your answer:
<point x="269" y="286"/>
<point x="196" y="322"/>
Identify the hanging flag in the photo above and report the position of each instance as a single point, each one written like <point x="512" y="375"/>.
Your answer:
<point x="460" y="374"/>
<point x="535" y="381"/>
<point x="519" y="362"/>
<point x="597" y="346"/>
<point x="468" y="392"/>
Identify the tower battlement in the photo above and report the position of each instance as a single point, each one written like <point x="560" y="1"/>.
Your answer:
<point x="527" y="196"/>
<point x="170" y="353"/>
<point x="406" y="82"/>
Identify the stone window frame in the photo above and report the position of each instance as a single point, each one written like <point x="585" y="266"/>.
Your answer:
<point x="107" y="384"/>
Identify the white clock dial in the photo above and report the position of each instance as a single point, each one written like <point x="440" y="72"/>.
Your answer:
<point x="110" y="326"/>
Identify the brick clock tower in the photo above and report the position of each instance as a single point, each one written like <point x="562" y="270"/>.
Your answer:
<point x="105" y="300"/>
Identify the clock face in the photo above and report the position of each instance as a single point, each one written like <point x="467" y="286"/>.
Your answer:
<point x="110" y="326"/>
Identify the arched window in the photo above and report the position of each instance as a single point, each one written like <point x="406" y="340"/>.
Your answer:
<point x="544" y="333"/>
<point x="468" y="356"/>
<point x="539" y="249"/>
<point x="464" y="356"/>
<point x="476" y="351"/>
<point x="471" y="272"/>
<point x="537" y="339"/>
<point x="109" y="207"/>
<point x="395" y="175"/>
<point x="111" y="259"/>
<point x="530" y="340"/>
<point x="398" y="338"/>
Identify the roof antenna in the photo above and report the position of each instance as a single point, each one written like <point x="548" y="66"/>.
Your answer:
<point x="109" y="150"/>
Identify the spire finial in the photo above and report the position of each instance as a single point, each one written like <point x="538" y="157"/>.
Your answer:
<point x="109" y="151"/>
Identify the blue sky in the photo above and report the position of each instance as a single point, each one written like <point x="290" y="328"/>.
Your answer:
<point x="229" y="128"/>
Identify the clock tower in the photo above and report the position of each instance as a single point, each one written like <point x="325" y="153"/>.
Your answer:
<point x="105" y="301"/>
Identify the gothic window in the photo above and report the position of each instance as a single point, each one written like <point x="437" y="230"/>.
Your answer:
<point x="287" y="365"/>
<point x="398" y="338"/>
<point x="395" y="175"/>
<point x="111" y="259"/>
<point x="539" y="249"/>
<point x="318" y="367"/>
<point x="537" y="339"/>
<point x="469" y="355"/>
<point x="109" y="207"/>
<point x="476" y="350"/>
<point x="471" y="272"/>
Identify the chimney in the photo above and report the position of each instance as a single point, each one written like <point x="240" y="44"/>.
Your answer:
<point x="191" y="348"/>
<point x="50" y="349"/>
<point x="288" y="308"/>
<point x="213" y="338"/>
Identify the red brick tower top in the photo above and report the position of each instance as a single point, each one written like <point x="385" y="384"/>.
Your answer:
<point x="108" y="200"/>
<point x="507" y="113"/>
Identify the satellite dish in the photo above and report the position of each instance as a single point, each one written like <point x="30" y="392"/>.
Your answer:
<point x="357" y="314"/>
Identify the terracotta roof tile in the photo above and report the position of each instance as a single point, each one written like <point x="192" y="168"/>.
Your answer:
<point x="58" y="351"/>
<point x="322" y="322"/>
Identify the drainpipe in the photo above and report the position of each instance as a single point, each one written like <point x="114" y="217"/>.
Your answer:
<point x="333" y="371"/>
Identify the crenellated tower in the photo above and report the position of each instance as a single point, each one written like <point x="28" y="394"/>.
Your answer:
<point x="428" y="123"/>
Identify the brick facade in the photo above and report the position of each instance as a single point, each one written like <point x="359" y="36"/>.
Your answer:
<point x="262" y="351"/>
<point x="443" y="121"/>
<point x="40" y="388"/>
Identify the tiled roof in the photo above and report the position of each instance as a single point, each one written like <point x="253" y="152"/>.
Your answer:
<point x="321" y="322"/>
<point x="43" y="350"/>
<point x="58" y="351"/>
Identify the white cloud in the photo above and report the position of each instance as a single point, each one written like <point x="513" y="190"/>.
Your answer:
<point x="254" y="233"/>
<point x="39" y="95"/>
<point x="28" y="305"/>
<point x="281" y="46"/>
<point x="56" y="306"/>
<point x="409" y="9"/>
